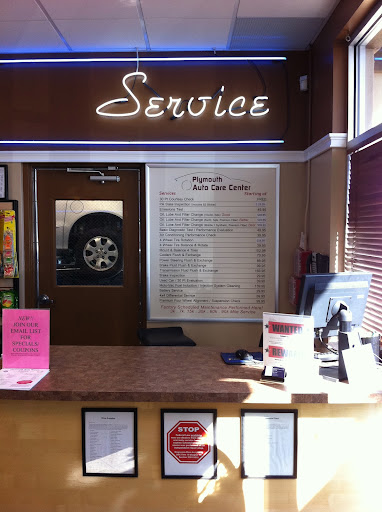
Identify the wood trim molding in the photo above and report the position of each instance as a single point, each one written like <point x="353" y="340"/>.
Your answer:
<point x="29" y="242"/>
<point x="151" y="157"/>
<point x="331" y="140"/>
<point x="367" y="138"/>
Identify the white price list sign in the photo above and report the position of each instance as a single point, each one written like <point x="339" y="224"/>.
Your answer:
<point x="212" y="242"/>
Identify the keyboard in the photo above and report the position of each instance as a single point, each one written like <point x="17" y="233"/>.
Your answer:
<point x="325" y="356"/>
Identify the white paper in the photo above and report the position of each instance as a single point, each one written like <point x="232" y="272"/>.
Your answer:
<point x="361" y="368"/>
<point x="289" y="342"/>
<point x="109" y="442"/>
<point x="268" y="371"/>
<point x="268" y="444"/>
<point x="193" y="441"/>
<point x="21" y="378"/>
<point x="2" y="182"/>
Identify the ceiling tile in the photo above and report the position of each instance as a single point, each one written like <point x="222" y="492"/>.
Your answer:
<point x="114" y="25"/>
<point x="90" y="9"/>
<point x="118" y="35"/>
<point x="180" y="34"/>
<point x="29" y="36"/>
<point x="20" y="10"/>
<point x="286" y="8"/>
<point x="274" y="33"/>
<point x="188" y="9"/>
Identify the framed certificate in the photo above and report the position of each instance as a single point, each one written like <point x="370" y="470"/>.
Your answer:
<point x="3" y="182"/>
<point x="269" y="443"/>
<point x="188" y="443"/>
<point x="109" y="442"/>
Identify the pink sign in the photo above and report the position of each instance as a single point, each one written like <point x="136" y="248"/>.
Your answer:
<point x="26" y="338"/>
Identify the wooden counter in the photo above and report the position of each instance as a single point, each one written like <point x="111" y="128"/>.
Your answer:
<point x="171" y="374"/>
<point x="339" y="452"/>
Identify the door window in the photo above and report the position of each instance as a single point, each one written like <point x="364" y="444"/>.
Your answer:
<point x="89" y="242"/>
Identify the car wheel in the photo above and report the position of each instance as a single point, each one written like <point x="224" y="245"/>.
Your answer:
<point x="99" y="252"/>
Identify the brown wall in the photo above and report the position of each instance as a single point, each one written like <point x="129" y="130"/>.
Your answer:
<point x="329" y="68"/>
<point x="59" y="101"/>
<point x="231" y="335"/>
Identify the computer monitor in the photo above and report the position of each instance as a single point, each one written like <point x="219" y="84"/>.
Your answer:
<point x="321" y="296"/>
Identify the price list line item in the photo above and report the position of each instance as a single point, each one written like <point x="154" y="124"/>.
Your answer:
<point x="233" y="249"/>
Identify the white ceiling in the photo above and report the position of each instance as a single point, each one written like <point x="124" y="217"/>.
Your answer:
<point x="44" y="26"/>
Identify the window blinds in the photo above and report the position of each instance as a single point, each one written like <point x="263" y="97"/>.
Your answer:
<point x="363" y="251"/>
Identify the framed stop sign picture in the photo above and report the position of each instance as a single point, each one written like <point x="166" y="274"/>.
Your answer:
<point x="188" y="443"/>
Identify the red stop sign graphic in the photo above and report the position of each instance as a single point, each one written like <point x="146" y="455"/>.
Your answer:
<point x="187" y="442"/>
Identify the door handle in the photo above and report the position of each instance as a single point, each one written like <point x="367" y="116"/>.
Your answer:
<point x="44" y="301"/>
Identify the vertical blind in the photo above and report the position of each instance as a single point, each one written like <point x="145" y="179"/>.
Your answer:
<point x="363" y="251"/>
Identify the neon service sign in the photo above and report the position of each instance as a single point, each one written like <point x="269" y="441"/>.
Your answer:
<point x="158" y="105"/>
<point x="237" y="98"/>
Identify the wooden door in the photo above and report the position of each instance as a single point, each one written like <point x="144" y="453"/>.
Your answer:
<point x="89" y="256"/>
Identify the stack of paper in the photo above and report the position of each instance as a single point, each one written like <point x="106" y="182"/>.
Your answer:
<point x="20" y="378"/>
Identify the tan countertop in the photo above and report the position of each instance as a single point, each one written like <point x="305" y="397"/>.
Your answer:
<point x="170" y="374"/>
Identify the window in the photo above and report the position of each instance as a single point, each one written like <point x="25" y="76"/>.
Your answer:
<point x="365" y="77"/>
<point x="363" y="249"/>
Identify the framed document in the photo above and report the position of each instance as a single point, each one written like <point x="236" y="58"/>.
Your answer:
<point x="3" y="182"/>
<point x="269" y="443"/>
<point x="188" y="438"/>
<point x="109" y="442"/>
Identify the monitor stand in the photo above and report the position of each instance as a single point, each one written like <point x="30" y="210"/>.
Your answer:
<point x="346" y="338"/>
<point x="329" y="372"/>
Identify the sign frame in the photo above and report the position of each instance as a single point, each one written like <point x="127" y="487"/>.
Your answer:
<point x="256" y="470"/>
<point x="132" y="422"/>
<point x="153" y="241"/>
<point x="171" y="469"/>
<point x="288" y="342"/>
